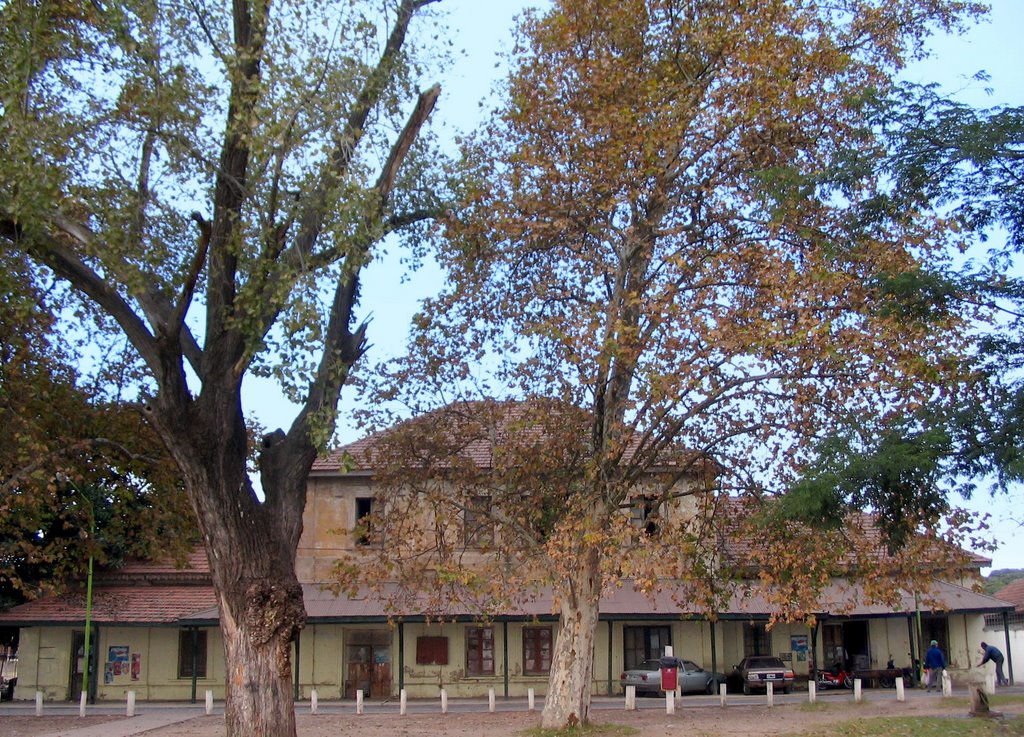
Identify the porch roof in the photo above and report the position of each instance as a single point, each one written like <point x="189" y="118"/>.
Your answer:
<point x="839" y="599"/>
<point x="115" y="605"/>
<point x="196" y="605"/>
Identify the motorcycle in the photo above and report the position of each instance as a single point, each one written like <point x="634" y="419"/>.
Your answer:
<point x="834" y="677"/>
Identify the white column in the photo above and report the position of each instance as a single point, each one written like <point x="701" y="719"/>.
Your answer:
<point x="209" y="702"/>
<point x="81" y="705"/>
<point x="670" y="702"/>
<point x="403" y="702"/>
<point x="947" y="683"/>
<point x="490" y="700"/>
<point x="444" y="701"/>
<point x="901" y="693"/>
<point x="130" y="708"/>
<point x="39" y="703"/>
<point x="359" y="701"/>
<point x="770" y="694"/>
<point x="858" y="694"/>
<point x="812" y="691"/>
<point x="630" y="698"/>
<point x="530" y="704"/>
<point x="723" y="694"/>
<point x="314" y="701"/>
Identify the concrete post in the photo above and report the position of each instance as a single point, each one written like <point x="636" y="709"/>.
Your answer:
<point x="630" y="698"/>
<point x="209" y="702"/>
<point x="670" y="702"/>
<point x="812" y="691"/>
<point x="314" y="701"/>
<point x="39" y="703"/>
<point x="81" y="705"/>
<point x="947" y="684"/>
<point x="723" y="693"/>
<point x="858" y="694"/>
<point x="901" y="691"/>
<point x="444" y="701"/>
<point x="130" y="709"/>
<point x="403" y="702"/>
<point x="490" y="700"/>
<point x="770" y="694"/>
<point x="359" y="701"/>
<point x="530" y="705"/>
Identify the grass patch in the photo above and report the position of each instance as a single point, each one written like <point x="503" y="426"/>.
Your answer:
<point x="815" y="707"/>
<point x="922" y="727"/>
<point x="591" y="730"/>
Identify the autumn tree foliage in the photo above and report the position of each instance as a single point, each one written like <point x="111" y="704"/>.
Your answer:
<point x="652" y="236"/>
<point x="210" y="179"/>
<point x="81" y="473"/>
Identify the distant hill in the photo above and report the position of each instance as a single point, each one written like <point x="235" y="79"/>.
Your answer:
<point x="997" y="579"/>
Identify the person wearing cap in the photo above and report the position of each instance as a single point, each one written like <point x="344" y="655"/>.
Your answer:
<point x="996" y="656"/>
<point x="935" y="662"/>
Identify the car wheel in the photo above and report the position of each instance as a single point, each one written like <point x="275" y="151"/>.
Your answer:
<point x="746" y="689"/>
<point x="710" y="688"/>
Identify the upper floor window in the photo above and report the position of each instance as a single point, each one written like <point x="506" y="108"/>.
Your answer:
<point x="478" y="529"/>
<point x="643" y="514"/>
<point x="363" y="528"/>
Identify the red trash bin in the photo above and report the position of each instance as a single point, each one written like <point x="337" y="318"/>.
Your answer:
<point x="669" y="674"/>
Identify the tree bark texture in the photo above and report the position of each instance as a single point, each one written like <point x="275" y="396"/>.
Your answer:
<point x="567" y="703"/>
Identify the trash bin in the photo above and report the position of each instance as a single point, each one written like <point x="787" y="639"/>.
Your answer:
<point x="669" y="673"/>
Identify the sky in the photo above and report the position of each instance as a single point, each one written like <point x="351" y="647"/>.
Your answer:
<point x="479" y="31"/>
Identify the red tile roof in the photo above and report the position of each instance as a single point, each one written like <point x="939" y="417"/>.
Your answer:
<point x="1014" y="593"/>
<point x="137" y="605"/>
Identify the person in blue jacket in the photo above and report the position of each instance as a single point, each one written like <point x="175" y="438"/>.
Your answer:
<point x="935" y="662"/>
<point x="996" y="656"/>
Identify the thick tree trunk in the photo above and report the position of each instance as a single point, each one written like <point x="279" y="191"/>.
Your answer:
<point x="567" y="702"/>
<point x="257" y="655"/>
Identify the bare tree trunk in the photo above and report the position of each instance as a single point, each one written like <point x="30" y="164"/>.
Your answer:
<point x="567" y="703"/>
<point x="258" y="658"/>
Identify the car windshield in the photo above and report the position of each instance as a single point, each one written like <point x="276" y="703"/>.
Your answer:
<point x="764" y="663"/>
<point x="649" y="665"/>
<point x="690" y="665"/>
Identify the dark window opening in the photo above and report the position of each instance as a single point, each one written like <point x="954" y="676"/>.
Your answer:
<point x="191" y="649"/>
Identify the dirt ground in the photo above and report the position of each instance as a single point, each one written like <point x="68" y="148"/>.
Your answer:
<point x="697" y="721"/>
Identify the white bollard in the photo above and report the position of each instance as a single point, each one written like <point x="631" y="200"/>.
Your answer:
<point x="444" y="701"/>
<point x="947" y="683"/>
<point x="901" y="692"/>
<point x="723" y="693"/>
<point x="130" y="709"/>
<point x="359" y="701"/>
<point x="39" y="703"/>
<point x="812" y="691"/>
<point x="670" y="702"/>
<point x="81" y="705"/>
<point x="403" y="702"/>
<point x="858" y="694"/>
<point x="530" y="704"/>
<point x="770" y="694"/>
<point x="314" y="701"/>
<point x="209" y="703"/>
<point x="630" y="698"/>
<point x="490" y="700"/>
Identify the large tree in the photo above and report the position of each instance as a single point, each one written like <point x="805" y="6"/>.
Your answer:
<point x="651" y="236"/>
<point x="212" y="178"/>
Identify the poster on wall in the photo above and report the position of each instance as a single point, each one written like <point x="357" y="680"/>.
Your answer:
<point x="136" y="666"/>
<point x="108" y="673"/>
<point x="798" y="643"/>
<point x="118" y="654"/>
